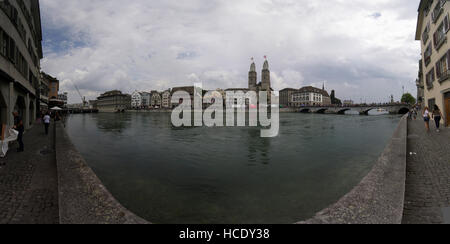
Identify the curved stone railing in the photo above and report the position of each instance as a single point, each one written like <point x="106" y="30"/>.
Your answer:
<point x="83" y="199"/>
<point x="379" y="198"/>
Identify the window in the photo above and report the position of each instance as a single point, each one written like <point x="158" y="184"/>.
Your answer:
<point x="427" y="8"/>
<point x="427" y="55"/>
<point x="437" y="11"/>
<point x="440" y="36"/>
<point x="3" y="42"/>
<point x="425" y="35"/>
<point x="431" y="103"/>
<point x="21" y="64"/>
<point x="12" y="50"/>
<point x="430" y="78"/>
<point x="442" y="67"/>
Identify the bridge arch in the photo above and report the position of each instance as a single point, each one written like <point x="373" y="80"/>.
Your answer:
<point x="342" y="111"/>
<point x="366" y="111"/>
<point x="305" y="110"/>
<point x="321" y="111"/>
<point x="403" y="110"/>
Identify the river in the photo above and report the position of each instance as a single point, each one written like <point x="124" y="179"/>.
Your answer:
<point x="229" y="175"/>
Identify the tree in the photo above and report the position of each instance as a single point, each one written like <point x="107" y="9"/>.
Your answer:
<point x="408" y="98"/>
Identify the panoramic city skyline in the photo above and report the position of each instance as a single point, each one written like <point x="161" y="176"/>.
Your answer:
<point x="363" y="50"/>
<point x="254" y="112"/>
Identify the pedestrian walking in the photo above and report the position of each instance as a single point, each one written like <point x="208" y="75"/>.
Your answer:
<point x="426" y="118"/>
<point x="46" y="122"/>
<point x="18" y="125"/>
<point x="437" y="116"/>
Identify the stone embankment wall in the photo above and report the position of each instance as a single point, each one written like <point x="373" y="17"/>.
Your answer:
<point x="379" y="198"/>
<point x="83" y="199"/>
<point x="150" y="111"/>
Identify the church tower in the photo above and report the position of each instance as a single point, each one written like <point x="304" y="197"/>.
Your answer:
<point x="252" y="77"/>
<point x="265" y="83"/>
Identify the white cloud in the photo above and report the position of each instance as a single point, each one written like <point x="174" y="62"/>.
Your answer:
<point x="111" y="44"/>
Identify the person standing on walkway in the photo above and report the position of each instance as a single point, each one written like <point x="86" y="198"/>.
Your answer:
<point x="426" y="118"/>
<point x="437" y="116"/>
<point x="46" y="122"/>
<point x="18" y="125"/>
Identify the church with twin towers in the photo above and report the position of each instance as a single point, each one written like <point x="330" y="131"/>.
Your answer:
<point x="264" y="85"/>
<point x="254" y="85"/>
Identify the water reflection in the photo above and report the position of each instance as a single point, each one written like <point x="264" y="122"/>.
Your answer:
<point x="258" y="148"/>
<point x="114" y="123"/>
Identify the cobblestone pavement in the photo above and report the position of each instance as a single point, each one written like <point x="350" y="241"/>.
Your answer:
<point x="28" y="182"/>
<point x="428" y="175"/>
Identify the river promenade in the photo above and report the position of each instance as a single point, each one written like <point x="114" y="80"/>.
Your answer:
<point x="44" y="186"/>
<point x="428" y="175"/>
<point x="28" y="182"/>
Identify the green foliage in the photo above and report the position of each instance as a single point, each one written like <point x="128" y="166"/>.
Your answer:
<point x="408" y="98"/>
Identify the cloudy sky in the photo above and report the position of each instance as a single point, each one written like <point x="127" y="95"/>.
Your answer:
<point x="365" y="50"/>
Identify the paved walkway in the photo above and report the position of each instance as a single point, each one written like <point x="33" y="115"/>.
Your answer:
<point x="428" y="175"/>
<point x="28" y="182"/>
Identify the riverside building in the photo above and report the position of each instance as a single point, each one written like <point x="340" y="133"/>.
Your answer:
<point x="286" y="96"/>
<point x="156" y="100"/>
<point x="113" y="101"/>
<point x="20" y="55"/>
<point x="166" y="97"/>
<point x="136" y="100"/>
<point x="310" y="96"/>
<point x="432" y="31"/>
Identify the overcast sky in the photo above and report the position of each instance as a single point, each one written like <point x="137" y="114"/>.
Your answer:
<point x="362" y="49"/>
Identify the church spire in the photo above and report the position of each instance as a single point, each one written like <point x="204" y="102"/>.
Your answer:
<point x="266" y="64"/>
<point x="253" y="66"/>
<point x="252" y="77"/>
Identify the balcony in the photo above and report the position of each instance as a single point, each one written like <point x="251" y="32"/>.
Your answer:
<point x="444" y="76"/>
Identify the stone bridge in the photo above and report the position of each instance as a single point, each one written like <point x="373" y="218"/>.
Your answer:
<point x="363" y="110"/>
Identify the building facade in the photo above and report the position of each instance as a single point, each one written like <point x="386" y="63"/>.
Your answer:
<point x="113" y="101"/>
<point x="166" y="97"/>
<point x="156" y="100"/>
<point x="63" y="97"/>
<point x="286" y="96"/>
<point x="93" y="104"/>
<point x="420" y="85"/>
<point x="44" y="89"/>
<point x="53" y="86"/>
<point x="230" y="103"/>
<point x="432" y="31"/>
<point x="310" y="96"/>
<point x="177" y="99"/>
<point x="53" y="90"/>
<point x="146" y="99"/>
<point x="136" y="100"/>
<point x="20" y="55"/>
